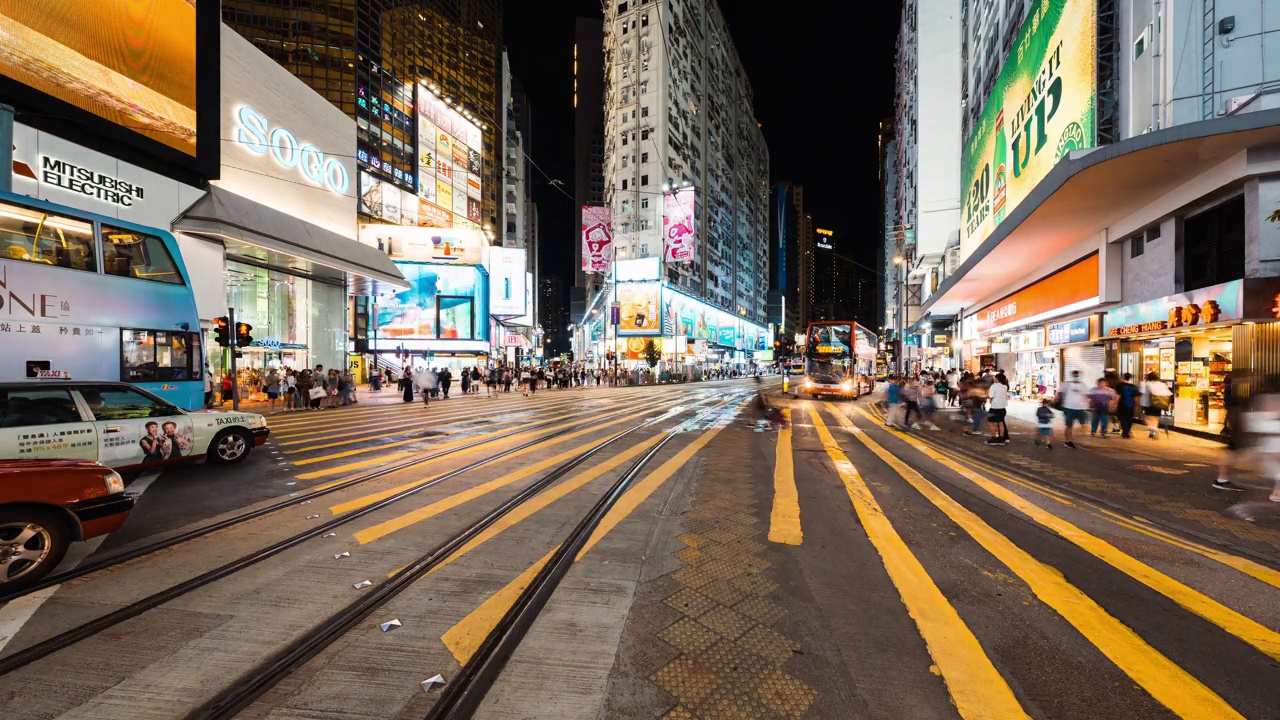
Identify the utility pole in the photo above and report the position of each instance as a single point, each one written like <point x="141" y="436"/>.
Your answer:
<point x="6" y="148"/>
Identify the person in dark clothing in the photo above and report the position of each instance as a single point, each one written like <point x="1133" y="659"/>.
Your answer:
<point x="1126" y="403"/>
<point x="406" y="384"/>
<point x="446" y="379"/>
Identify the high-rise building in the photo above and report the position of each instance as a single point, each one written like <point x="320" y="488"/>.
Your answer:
<point x="588" y="146"/>
<point x="786" y="210"/>
<point x="678" y="114"/>
<point x="369" y="57"/>
<point x="927" y="158"/>
<point x="553" y="315"/>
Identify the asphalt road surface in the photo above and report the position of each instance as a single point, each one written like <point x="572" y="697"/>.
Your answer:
<point x="692" y="563"/>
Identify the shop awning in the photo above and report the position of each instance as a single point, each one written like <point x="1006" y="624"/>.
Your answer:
<point x="234" y="219"/>
<point x="1097" y="188"/>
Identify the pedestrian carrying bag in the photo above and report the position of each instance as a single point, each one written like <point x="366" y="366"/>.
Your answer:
<point x="316" y="393"/>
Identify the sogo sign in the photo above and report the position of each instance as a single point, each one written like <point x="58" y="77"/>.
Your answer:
<point x="255" y="133"/>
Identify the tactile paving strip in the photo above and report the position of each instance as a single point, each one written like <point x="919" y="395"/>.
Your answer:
<point x="731" y="662"/>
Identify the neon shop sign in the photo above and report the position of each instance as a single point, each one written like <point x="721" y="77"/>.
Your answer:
<point x="256" y="134"/>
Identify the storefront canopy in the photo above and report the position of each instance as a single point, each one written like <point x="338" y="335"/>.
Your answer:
<point x="237" y="220"/>
<point x="1092" y="190"/>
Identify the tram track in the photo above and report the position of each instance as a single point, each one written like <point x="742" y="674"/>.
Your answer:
<point x="125" y="556"/>
<point x="284" y="663"/>
<point x="60" y="641"/>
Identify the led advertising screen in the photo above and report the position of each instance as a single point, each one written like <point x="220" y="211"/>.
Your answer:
<point x="506" y="281"/>
<point x="694" y="319"/>
<point x="597" y="238"/>
<point x="450" y="164"/>
<point x="1043" y="106"/>
<point x="679" y="233"/>
<point x="640" y="308"/>
<point x="132" y="62"/>
<point x="447" y="302"/>
<point x="423" y="244"/>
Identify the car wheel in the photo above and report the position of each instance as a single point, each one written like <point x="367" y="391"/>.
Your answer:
<point x="230" y="446"/>
<point x="32" y="543"/>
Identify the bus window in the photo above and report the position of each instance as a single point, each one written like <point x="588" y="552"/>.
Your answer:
<point x="135" y="255"/>
<point x="33" y="236"/>
<point x="157" y="356"/>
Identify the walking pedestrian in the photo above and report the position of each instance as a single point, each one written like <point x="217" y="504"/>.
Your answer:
<point x="1044" y="424"/>
<point x="911" y="402"/>
<point x="999" y="394"/>
<point x="445" y="377"/>
<point x="893" y="398"/>
<point x="1156" y="398"/>
<point x="506" y="380"/>
<point x="406" y="384"/>
<point x="1126" y="404"/>
<point x="1074" y="401"/>
<point x="1100" y="399"/>
<point x="422" y="386"/>
<point x="273" y="389"/>
<point x="466" y="381"/>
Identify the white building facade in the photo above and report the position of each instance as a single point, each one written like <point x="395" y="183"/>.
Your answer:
<point x="679" y="113"/>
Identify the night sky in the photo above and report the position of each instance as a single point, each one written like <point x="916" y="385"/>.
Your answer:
<point x="819" y="100"/>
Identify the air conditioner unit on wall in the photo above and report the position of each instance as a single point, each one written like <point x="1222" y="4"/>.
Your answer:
<point x="1236" y="104"/>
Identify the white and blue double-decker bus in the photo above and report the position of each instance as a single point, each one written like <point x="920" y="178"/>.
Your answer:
<point x="89" y="297"/>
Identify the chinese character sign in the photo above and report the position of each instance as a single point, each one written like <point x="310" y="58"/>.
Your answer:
<point x="679" y="234"/>
<point x="597" y="239"/>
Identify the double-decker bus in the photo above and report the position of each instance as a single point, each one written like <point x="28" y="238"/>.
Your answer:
<point x="839" y="359"/>
<point x="89" y="297"/>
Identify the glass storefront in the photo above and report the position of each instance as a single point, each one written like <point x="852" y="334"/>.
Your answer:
<point x="1195" y="365"/>
<point x="297" y="322"/>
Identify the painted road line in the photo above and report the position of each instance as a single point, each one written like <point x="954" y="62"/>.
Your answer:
<point x="618" y="417"/>
<point x="465" y="637"/>
<point x="453" y="413"/>
<point x="1134" y="523"/>
<point x="784" y="521"/>
<point x="383" y="529"/>
<point x="976" y="687"/>
<point x="544" y="499"/>
<point x="1259" y="636"/>
<point x="1163" y="679"/>
<point x="352" y="467"/>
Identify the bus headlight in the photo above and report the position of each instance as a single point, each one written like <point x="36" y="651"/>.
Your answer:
<point x="808" y="383"/>
<point x="847" y="385"/>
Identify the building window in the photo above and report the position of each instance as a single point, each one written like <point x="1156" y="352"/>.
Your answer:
<point x="1137" y="246"/>
<point x="644" y="87"/>
<point x="644" y="179"/>
<point x="624" y="27"/>
<point x="644" y="111"/>
<point x="624" y="184"/>
<point x="622" y="7"/>
<point x="644" y="203"/>
<point x="644" y="224"/>
<point x="624" y="138"/>
<point x="624" y="161"/>
<point x="644" y="248"/>
<point x="644" y="134"/>
<point x="644" y="20"/>
<point x="626" y="205"/>
<point x="644" y="157"/>
<point x="1153" y="233"/>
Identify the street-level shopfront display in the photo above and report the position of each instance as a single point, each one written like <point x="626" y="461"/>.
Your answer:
<point x="298" y="322"/>
<point x="1192" y="341"/>
<point x="1035" y="372"/>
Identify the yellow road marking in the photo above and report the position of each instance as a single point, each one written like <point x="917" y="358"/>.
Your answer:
<point x="977" y="688"/>
<point x="401" y="421"/>
<point x="622" y="416"/>
<point x="382" y="529"/>
<point x="1166" y="681"/>
<point x="1263" y="638"/>
<point x="784" y="522"/>
<point x="1244" y="565"/>
<point x="349" y="467"/>
<point x="465" y="637"/>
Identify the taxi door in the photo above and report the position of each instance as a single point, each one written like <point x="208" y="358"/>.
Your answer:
<point x="44" y="423"/>
<point x="134" y="429"/>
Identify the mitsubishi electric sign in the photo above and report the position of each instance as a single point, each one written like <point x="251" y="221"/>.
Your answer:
<point x="1042" y="107"/>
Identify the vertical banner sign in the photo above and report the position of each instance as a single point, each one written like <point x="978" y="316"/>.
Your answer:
<point x="1043" y="106"/>
<point x="597" y="239"/>
<point x="678" y="231"/>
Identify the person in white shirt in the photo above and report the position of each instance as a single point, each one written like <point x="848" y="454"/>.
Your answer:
<point x="1073" y="396"/>
<point x="999" y="405"/>
<point x="1156" y="398"/>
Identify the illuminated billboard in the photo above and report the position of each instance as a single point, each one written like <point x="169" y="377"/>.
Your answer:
<point x="449" y="163"/>
<point x="448" y="302"/>
<point x="597" y="238"/>
<point x="424" y="244"/>
<point x="132" y="62"/>
<point x="679" y="231"/>
<point x="640" y="303"/>
<point x="506" y="281"/>
<point x="694" y="319"/>
<point x="1043" y="106"/>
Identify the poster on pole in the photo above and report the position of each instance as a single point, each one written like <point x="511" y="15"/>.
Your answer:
<point x="679" y="234"/>
<point x="597" y="239"/>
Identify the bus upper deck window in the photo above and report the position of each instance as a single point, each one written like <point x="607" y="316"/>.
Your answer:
<point x="33" y="236"/>
<point x="137" y="255"/>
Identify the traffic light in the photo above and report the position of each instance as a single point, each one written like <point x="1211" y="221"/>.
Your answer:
<point x="243" y="338"/>
<point x="221" y="330"/>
